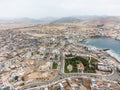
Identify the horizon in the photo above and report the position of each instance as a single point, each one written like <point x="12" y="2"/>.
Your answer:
<point x="50" y="17"/>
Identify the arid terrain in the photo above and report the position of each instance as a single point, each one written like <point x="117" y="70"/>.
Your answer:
<point x="33" y="55"/>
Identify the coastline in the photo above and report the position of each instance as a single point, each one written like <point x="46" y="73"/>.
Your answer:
<point x="114" y="55"/>
<point x="109" y="51"/>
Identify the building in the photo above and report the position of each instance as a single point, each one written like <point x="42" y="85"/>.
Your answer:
<point x="61" y="87"/>
<point x="118" y="68"/>
<point x="46" y="88"/>
<point x="1" y="82"/>
<point x="99" y="85"/>
<point x="80" y="67"/>
<point x="30" y="62"/>
<point x="69" y="67"/>
<point x="104" y="67"/>
<point x="6" y="88"/>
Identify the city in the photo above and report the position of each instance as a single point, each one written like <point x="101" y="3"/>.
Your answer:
<point x="59" y="45"/>
<point x="46" y="56"/>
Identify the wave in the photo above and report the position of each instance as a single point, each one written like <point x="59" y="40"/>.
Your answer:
<point x="114" y="54"/>
<point x="87" y="41"/>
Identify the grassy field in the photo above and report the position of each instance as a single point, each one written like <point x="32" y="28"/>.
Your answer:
<point x="54" y="65"/>
<point x="74" y="60"/>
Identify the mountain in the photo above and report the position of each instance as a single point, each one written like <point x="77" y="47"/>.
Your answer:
<point x="67" y="20"/>
<point x="73" y="19"/>
<point x="49" y="19"/>
<point x="76" y="19"/>
<point x="28" y="20"/>
<point x="89" y="19"/>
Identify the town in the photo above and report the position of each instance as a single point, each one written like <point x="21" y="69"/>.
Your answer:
<point x="52" y="57"/>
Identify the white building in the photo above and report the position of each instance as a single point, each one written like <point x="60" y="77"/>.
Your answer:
<point x="104" y="67"/>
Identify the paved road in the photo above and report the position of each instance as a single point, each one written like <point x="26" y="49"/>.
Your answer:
<point x="61" y="76"/>
<point x="114" y="76"/>
<point x="61" y="69"/>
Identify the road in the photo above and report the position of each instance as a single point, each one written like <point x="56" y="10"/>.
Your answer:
<point x="59" y="78"/>
<point x="115" y="76"/>
<point x="62" y="76"/>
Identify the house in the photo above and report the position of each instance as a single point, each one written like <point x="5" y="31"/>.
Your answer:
<point x="99" y="85"/>
<point x="1" y="82"/>
<point x="73" y="84"/>
<point x="30" y="62"/>
<point x="80" y="67"/>
<point x="46" y="88"/>
<point x="6" y="88"/>
<point x="61" y="87"/>
<point x="118" y="68"/>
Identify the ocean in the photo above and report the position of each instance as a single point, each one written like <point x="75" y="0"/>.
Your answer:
<point x="104" y="42"/>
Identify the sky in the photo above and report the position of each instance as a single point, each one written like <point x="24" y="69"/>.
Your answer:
<point x="57" y="8"/>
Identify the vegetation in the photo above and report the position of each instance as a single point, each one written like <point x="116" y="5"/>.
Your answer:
<point x="56" y="57"/>
<point x="69" y="55"/>
<point x="76" y="60"/>
<point x="21" y="84"/>
<point x="118" y="82"/>
<point x="93" y="60"/>
<point x="23" y="79"/>
<point x="54" y="65"/>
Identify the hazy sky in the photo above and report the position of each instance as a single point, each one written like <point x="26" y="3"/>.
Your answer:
<point x="58" y="8"/>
